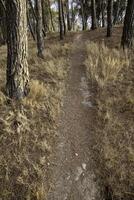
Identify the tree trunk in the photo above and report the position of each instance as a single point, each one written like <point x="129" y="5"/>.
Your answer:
<point x="117" y="9"/>
<point x="128" y="30"/>
<point x="93" y="13"/>
<point x="63" y="17"/>
<point x="68" y="16"/>
<point x="109" y="18"/>
<point x="39" y="28"/>
<point x="83" y="16"/>
<point x="51" y="16"/>
<point x="60" y="19"/>
<point x="103" y="13"/>
<point x="17" y="85"/>
<point x="3" y="22"/>
<point x="98" y="11"/>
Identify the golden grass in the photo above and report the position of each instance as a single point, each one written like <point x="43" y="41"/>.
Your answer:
<point x="111" y="72"/>
<point x="27" y="128"/>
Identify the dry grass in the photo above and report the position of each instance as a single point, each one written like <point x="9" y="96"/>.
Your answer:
<point x="27" y="128"/>
<point x="111" y="73"/>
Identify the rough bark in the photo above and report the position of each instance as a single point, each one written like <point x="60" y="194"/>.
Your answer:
<point x="39" y="28"/>
<point x="17" y="85"/>
<point x="128" y="30"/>
<point x="93" y="15"/>
<point x="109" y="18"/>
<point x="3" y="32"/>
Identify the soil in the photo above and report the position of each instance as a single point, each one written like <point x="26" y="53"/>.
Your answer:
<point x="71" y="166"/>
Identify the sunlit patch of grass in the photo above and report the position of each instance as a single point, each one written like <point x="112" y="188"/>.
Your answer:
<point x="103" y="65"/>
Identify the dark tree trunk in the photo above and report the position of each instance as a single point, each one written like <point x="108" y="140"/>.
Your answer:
<point x="117" y="9"/>
<point x="68" y="16"/>
<point x="109" y="18"/>
<point x="43" y="16"/>
<point x="17" y="85"/>
<point x="39" y="28"/>
<point x="31" y="27"/>
<point x="98" y="11"/>
<point x="3" y="22"/>
<point x="83" y="16"/>
<point x="93" y="13"/>
<point x="63" y="17"/>
<point x="60" y="19"/>
<point x="103" y="13"/>
<point x="128" y="30"/>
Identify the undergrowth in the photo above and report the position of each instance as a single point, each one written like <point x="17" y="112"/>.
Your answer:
<point x="27" y="128"/>
<point x="111" y="73"/>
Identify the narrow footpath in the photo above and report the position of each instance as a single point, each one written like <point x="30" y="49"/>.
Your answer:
<point x="73" y="172"/>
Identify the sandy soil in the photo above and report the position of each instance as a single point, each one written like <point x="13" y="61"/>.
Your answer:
<point x="72" y="164"/>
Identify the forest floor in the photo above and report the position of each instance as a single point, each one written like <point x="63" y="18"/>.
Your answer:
<point x="72" y="164"/>
<point x="75" y="137"/>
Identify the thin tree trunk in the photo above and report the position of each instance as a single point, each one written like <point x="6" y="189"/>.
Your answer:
<point x="93" y="10"/>
<point x="128" y="30"/>
<point x="103" y="13"/>
<point x="30" y="27"/>
<point x="39" y="28"/>
<point x="68" y="16"/>
<point x="51" y="16"/>
<point x="60" y="19"/>
<point x="98" y="11"/>
<point x="63" y="17"/>
<point x="17" y="85"/>
<point x="43" y="15"/>
<point x="117" y="12"/>
<point x="83" y="16"/>
<point x="109" y="18"/>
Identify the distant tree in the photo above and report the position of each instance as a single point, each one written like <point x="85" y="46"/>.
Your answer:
<point x="103" y="7"/>
<point x="128" y="30"/>
<point x="17" y="85"/>
<point x="93" y="15"/>
<point x="116" y="11"/>
<point x="60" y="19"/>
<point x="109" y="18"/>
<point x="39" y="28"/>
<point x="63" y="17"/>
<point x="68" y="16"/>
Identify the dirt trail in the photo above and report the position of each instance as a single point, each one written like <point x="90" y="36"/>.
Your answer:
<point x="73" y="174"/>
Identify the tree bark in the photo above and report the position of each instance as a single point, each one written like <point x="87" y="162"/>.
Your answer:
<point x="39" y="28"/>
<point x="68" y="16"/>
<point x="93" y="15"/>
<point x="109" y="18"/>
<point x="117" y="9"/>
<point x="103" y="13"/>
<point x="51" y="16"/>
<point x="128" y="29"/>
<point x="63" y="17"/>
<point x="17" y="85"/>
<point x="60" y="19"/>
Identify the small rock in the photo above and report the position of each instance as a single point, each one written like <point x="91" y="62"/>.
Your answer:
<point x="84" y="166"/>
<point x="76" y="154"/>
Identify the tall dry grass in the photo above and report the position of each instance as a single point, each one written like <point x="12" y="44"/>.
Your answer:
<point x="111" y="73"/>
<point x="27" y="128"/>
